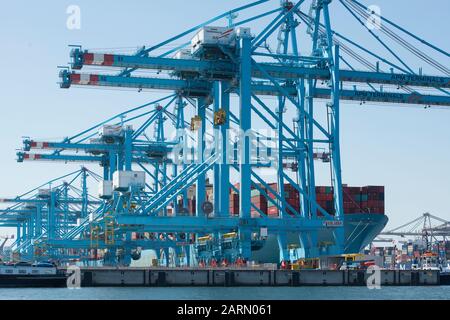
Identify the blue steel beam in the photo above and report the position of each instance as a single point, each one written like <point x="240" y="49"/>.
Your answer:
<point x="207" y="225"/>
<point x="204" y="88"/>
<point x="226" y="70"/>
<point x="40" y="201"/>
<point x="148" y="146"/>
<point x="23" y="156"/>
<point x="245" y="125"/>
<point x="87" y="244"/>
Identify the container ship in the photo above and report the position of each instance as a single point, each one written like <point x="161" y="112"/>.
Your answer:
<point x="364" y="219"/>
<point x="360" y="230"/>
<point x="364" y="209"/>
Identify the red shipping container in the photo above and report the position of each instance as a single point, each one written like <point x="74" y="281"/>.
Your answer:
<point x="272" y="211"/>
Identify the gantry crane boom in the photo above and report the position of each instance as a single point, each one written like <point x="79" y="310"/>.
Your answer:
<point x="202" y="88"/>
<point x="218" y="70"/>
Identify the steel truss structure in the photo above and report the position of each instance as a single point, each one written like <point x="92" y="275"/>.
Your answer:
<point x="245" y="70"/>
<point x="428" y="227"/>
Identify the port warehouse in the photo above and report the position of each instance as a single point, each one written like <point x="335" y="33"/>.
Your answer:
<point x="143" y="202"/>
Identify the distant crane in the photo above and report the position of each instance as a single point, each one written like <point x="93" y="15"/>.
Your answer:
<point x="2" y="246"/>
<point x="429" y="227"/>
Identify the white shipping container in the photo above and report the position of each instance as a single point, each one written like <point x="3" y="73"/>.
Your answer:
<point x="264" y="233"/>
<point x="95" y="142"/>
<point x="44" y="193"/>
<point x="213" y="36"/>
<point x="183" y="54"/>
<point x="105" y="189"/>
<point x="112" y="131"/>
<point x="123" y="180"/>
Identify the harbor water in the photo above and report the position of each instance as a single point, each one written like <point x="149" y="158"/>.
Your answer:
<point x="240" y="293"/>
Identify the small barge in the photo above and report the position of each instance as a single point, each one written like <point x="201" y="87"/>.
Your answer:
<point x="22" y="275"/>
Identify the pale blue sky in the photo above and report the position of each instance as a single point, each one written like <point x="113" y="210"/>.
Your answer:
<point x="405" y="149"/>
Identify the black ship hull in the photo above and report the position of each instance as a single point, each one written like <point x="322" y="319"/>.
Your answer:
<point x="33" y="281"/>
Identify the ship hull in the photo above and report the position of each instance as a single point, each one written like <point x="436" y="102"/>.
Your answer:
<point x="32" y="281"/>
<point x="360" y="230"/>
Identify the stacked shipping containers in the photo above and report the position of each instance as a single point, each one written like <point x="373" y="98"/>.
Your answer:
<point x="260" y="202"/>
<point x="325" y="199"/>
<point x="292" y="198"/>
<point x="375" y="199"/>
<point x="234" y="204"/>
<point x="368" y="199"/>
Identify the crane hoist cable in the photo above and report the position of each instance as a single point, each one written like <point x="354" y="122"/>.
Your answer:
<point x="391" y="34"/>
<point x="376" y="37"/>
<point x="406" y="31"/>
<point x="344" y="48"/>
<point x="351" y="52"/>
<point x="303" y="17"/>
<point x="402" y="42"/>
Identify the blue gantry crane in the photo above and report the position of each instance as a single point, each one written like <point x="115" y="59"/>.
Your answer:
<point x="146" y="180"/>
<point x="47" y="213"/>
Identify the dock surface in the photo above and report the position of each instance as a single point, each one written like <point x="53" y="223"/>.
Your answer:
<point x="170" y="277"/>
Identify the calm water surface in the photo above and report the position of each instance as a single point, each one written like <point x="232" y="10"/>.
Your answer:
<point x="243" y="293"/>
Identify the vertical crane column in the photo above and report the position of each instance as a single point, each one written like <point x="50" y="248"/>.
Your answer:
<point x="29" y="228"/>
<point x="309" y="240"/>
<point x="336" y="155"/>
<point x="24" y="232"/>
<point x="283" y="43"/>
<point x="217" y="139"/>
<point x="65" y="191"/>
<point x="157" y="136"/>
<point x="31" y="232"/>
<point x="161" y="168"/>
<point x="112" y="164"/>
<point x="128" y="141"/>
<point x="282" y="236"/>
<point x="222" y="169"/>
<point x="163" y="184"/>
<point x="18" y="235"/>
<point x="224" y="163"/>
<point x="105" y="166"/>
<point x="180" y="126"/>
<point x="180" y="136"/>
<point x="201" y="180"/>
<point x="32" y="226"/>
<point x="333" y="58"/>
<point x="301" y="158"/>
<point x="245" y="126"/>
<point x="38" y="220"/>
<point x="51" y="216"/>
<point x="84" y="195"/>
<point x="299" y="122"/>
<point x="128" y="148"/>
